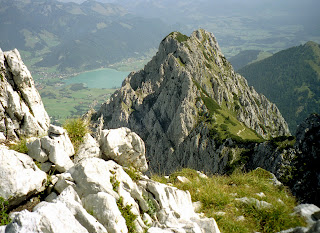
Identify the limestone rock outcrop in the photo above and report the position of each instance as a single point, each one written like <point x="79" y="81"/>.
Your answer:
<point x="22" y="113"/>
<point x="176" y="102"/>
<point x="19" y="176"/>
<point x="124" y="147"/>
<point x="98" y="195"/>
<point x="88" y="149"/>
<point x="295" y="161"/>
<point x="56" y="147"/>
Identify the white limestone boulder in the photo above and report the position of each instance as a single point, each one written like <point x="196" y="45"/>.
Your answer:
<point x="64" y="180"/>
<point x="35" y="151"/>
<point x="94" y="175"/>
<point x="19" y="176"/>
<point x="91" y="176"/>
<point x="88" y="149"/>
<point x="176" y="210"/>
<point x="307" y="211"/>
<point x="124" y="147"/>
<point x="56" y="147"/>
<point x="71" y="199"/>
<point x="104" y="208"/>
<point x="46" y="218"/>
<point x="58" y="218"/>
<point x="25" y="221"/>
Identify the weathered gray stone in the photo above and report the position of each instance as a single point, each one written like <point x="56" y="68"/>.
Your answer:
<point x="71" y="199"/>
<point x="88" y="149"/>
<point x="64" y="180"/>
<point x="57" y="218"/>
<point x="306" y="211"/>
<point x="315" y="228"/>
<point x="45" y="166"/>
<point x="51" y="197"/>
<point x="176" y="210"/>
<point x="202" y="175"/>
<point x="55" y="147"/>
<point x="104" y="208"/>
<point x="91" y="176"/>
<point x="254" y="201"/>
<point x="25" y="221"/>
<point x="124" y="147"/>
<point x="19" y="176"/>
<point x="46" y="218"/>
<point x="197" y="206"/>
<point x="22" y="111"/>
<point x="35" y="151"/>
<point x="182" y="179"/>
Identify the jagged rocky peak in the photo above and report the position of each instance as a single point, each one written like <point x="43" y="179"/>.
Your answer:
<point x="187" y="98"/>
<point x="22" y="113"/>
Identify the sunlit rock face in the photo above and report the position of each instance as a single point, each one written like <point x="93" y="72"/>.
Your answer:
<point x="22" y="113"/>
<point x="172" y="104"/>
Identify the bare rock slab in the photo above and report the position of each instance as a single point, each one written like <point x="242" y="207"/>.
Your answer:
<point x="19" y="176"/>
<point x="125" y="147"/>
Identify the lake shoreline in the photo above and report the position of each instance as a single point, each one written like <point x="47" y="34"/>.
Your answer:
<point x="99" y="78"/>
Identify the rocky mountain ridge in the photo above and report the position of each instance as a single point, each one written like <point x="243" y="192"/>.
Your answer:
<point x="52" y="189"/>
<point x="47" y="190"/>
<point x="187" y="101"/>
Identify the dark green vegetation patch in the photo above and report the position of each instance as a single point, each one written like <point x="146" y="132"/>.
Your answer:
<point x="4" y="217"/>
<point x="291" y="80"/>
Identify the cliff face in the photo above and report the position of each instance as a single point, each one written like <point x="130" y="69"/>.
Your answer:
<point x="187" y="101"/>
<point x="22" y="113"/>
<point x="295" y="161"/>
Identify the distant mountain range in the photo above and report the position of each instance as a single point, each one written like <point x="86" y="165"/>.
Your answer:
<point x="290" y="79"/>
<point x="77" y="35"/>
<point x="69" y="36"/>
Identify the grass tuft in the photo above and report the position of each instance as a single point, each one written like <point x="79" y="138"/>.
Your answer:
<point x="127" y="215"/>
<point x="133" y="173"/>
<point x="4" y="217"/>
<point x="77" y="128"/>
<point x="20" y="146"/>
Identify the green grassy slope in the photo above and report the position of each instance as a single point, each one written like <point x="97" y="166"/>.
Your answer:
<point x="218" y="197"/>
<point x="290" y="79"/>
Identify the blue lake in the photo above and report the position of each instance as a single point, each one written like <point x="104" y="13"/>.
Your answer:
<point x="102" y="78"/>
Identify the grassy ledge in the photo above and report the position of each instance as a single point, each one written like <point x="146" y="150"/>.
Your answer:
<point x="218" y="196"/>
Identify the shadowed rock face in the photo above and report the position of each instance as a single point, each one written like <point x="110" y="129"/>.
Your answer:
<point x="22" y="113"/>
<point x="165" y="104"/>
<point x="306" y="180"/>
<point x="297" y="165"/>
